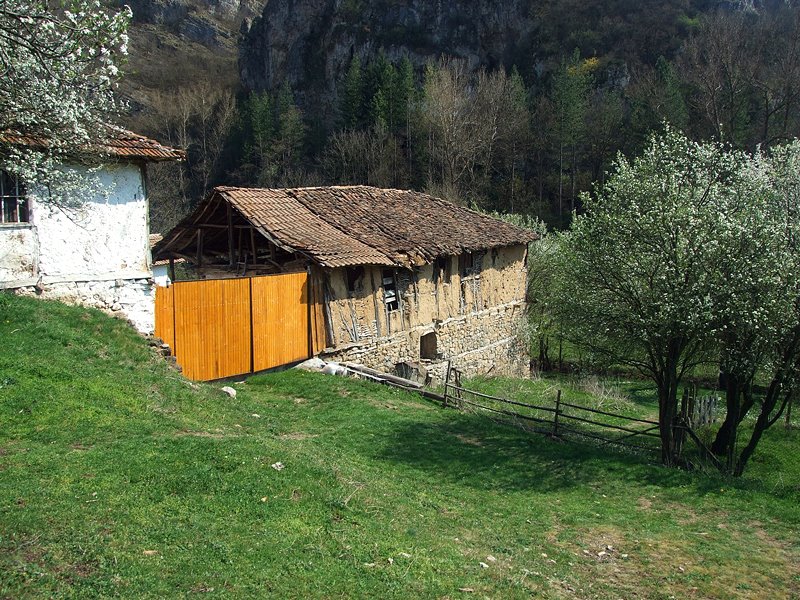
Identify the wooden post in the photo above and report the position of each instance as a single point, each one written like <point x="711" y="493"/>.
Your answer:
<point x="446" y="383"/>
<point x="555" y="416"/>
<point x="199" y="248"/>
<point x="172" y="269"/>
<point x="253" y="243"/>
<point x="231" y="261"/>
<point x="308" y="312"/>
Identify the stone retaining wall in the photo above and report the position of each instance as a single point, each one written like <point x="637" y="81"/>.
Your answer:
<point x="131" y="299"/>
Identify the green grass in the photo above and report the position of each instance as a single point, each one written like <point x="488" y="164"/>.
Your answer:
<point x="119" y="478"/>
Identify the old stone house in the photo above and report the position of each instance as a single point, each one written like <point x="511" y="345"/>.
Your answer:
<point x="97" y="253"/>
<point x="408" y="281"/>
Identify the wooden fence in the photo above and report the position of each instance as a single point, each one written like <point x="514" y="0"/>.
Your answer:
<point x="227" y="327"/>
<point x="559" y="420"/>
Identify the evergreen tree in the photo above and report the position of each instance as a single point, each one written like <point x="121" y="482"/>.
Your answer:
<point x="381" y="88"/>
<point x="259" y="126"/>
<point x="352" y="100"/>
<point x="570" y="96"/>
<point x="673" y="106"/>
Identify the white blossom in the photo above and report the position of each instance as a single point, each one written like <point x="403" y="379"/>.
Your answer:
<point x="59" y="66"/>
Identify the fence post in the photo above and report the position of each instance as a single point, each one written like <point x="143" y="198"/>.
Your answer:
<point x="558" y="410"/>
<point x="446" y="383"/>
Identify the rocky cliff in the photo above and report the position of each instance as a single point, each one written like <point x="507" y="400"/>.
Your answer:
<point x="310" y="43"/>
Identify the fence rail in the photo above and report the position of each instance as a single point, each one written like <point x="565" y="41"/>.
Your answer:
<point x="581" y="421"/>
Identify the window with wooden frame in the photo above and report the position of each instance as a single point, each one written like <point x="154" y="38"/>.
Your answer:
<point x="390" y="290"/>
<point x="13" y="203"/>
<point x="469" y="263"/>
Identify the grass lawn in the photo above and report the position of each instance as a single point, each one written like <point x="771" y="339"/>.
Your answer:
<point x="120" y="478"/>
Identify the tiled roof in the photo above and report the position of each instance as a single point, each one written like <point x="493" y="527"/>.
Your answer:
<point x="295" y="227"/>
<point x="154" y="238"/>
<point x="126" y="144"/>
<point x="352" y="225"/>
<point x="121" y="143"/>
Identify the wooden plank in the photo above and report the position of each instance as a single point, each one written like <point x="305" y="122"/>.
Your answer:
<point x="212" y="328"/>
<point x="165" y="315"/>
<point x="319" y="335"/>
<point x="280" y="320"/>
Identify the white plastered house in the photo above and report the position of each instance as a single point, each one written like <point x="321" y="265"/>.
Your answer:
<point x="96" y="255"/>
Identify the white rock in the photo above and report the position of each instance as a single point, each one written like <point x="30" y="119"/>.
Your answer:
<point x="228" y="390"/>
<point x="312" y="364"/>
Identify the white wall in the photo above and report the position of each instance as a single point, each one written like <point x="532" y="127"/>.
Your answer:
<point x="96" y="255"/>
<point x="107" y="238"/>
<point x="161" y="275"/>
<point x="18" y="252"/>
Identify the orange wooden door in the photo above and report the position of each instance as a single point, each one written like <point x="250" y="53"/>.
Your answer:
<point x="280" y="320"/>
<point x="212" y="328"/>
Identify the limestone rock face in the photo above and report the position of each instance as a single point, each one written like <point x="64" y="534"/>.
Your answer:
<point x="310" y="43"/>
<point x="207" y="22"/>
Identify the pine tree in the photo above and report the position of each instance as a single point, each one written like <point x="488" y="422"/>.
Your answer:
<point x="352" y="100"/>
<point x="673" y="106"/>
<point x="570" y="97"/>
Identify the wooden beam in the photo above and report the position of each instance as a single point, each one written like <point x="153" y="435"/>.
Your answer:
<point x="199" y="247"/>
<point x="230" y="237"/>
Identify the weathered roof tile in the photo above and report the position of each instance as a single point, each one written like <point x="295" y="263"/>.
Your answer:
<point x="120" y="143"/>
<point x="352" y="225"/>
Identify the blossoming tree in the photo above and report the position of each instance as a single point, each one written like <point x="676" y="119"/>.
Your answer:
<point x="685" y="255"/>
<point x="59" y="66"/>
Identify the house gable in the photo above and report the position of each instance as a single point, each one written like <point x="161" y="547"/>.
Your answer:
<point x="96" y="253"/>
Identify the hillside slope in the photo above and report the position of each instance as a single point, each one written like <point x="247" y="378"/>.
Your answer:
<point x="120" y="478"/>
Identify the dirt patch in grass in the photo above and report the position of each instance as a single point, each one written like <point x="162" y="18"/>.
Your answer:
<point x="297" y="435"/>
<point x="748" y="563"/>
<point x="469" y="439"/>
<point x="216" y="434"/>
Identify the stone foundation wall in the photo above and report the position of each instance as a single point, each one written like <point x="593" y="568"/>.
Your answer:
<point x="488" y="342"/>
<point x="131" y="299"/>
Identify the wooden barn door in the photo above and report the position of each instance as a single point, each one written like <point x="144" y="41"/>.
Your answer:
<point x="227" y="327"/>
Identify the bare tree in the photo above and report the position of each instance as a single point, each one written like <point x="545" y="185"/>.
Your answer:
<point x="198" y="118"/>
<point x="364" y="157"/>
<point x="470" y="121"/>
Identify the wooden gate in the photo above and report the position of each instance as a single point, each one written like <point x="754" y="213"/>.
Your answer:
<point x="226" y="327"/>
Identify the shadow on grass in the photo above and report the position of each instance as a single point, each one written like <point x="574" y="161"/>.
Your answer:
<point x="474" y="451"/>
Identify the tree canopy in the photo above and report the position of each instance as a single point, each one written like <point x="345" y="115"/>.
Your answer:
<point x="687" y="254"/>
<point x="60" y="63"/>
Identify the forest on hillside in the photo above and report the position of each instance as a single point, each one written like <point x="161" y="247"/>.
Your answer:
<point x="526" y="137"/>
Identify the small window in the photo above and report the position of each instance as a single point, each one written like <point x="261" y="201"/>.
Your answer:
<point x="441" y="270"/>
<point x="13" y="203"/>
<point x="469" y="263"/>
<point x="390" y="290"/>
<point x="353" y="275"/>
<point x="427" y="346"/>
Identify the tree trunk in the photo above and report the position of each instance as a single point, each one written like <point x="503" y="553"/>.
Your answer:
<point x="762" y="423"/>
<point x="668" y="401"/>
<point x="727" y="431"/>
